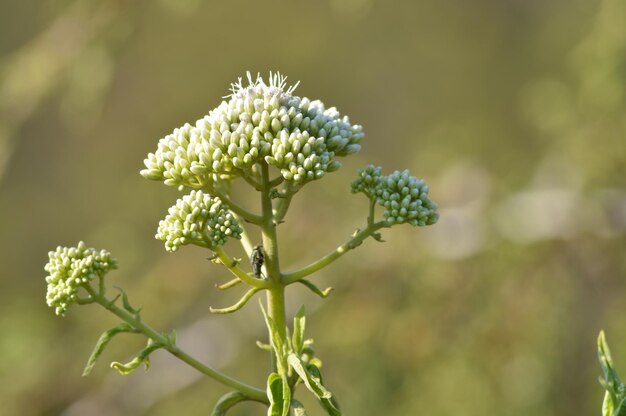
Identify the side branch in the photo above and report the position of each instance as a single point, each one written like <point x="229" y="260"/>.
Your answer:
<point x="353" y="242"/>
<point x="237" y="209"/>
<point x="242" y="302"/>
<point x="252" y="392"/>
<point x="237" y="271"/>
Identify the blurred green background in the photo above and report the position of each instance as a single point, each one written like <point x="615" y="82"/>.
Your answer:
<point x="512" y="110"/>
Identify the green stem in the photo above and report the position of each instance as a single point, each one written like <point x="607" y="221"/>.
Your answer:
<point x="372" y="212"/>
<point x="237" y="271"/>
<point x="353" y="242"/>
<point x="276" y="293"/>
<point x="250" y="391"/>
<point x="245" y="241"/>
<point x="283" y="203"/>
<point x="237" y="209"/>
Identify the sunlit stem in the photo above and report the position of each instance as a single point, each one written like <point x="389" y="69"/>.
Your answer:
<point x="283" y="204"/>
<point x="276" y="293"/>
<point x="352" y="243"/>
<point x="231" y="264"/>
<point x="245" y="238"/>
<point x="159" y="338"/>
<point x="229" y="284"/>
<point x="242" y="302"/>
<point x="237" y="209"/>
<point x="372" y="212"/>
<point x="313" y="288"/>
<point x="252" y="182"/>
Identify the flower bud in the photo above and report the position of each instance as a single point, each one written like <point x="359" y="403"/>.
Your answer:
<point x="69" y="269"/>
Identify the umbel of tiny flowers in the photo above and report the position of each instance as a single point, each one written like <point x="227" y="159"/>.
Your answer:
<point x="73" y="268"/>
<point x="404" y="197"/>
<point x="198" y="218"/>
<point x="258" y="122"/>
<point x="276" y="142"/>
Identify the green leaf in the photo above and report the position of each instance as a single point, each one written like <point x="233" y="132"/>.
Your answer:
<point x="606" y="361"/>
<point x="607" y="405"/>
<point x="330" y="405"/>
<point x="312" y="379"/>
<point x="242" y="302"/>
<point x="264" y="346"/>
<point x="280" y="350"/>
<point x="279" y="395"/>
<point x="297" y="408"/>
<point x="126" y="303"/>
<point x="227" y="401"/>
<point x="319" y="292"/>
<point x="312" y="383"/>
<point x="143" y="357"/>
<point x="621" y="409"/>
<point x="103" y="341"/>
<point x="611" y="381"/>
<point x="299" y="322"/>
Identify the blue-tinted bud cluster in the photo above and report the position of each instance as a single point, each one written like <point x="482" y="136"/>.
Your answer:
<point x="404" y="197"/>
<point x="69" y="269"/>
<point x="195" y="218"/>
<point x="259" y="122"/>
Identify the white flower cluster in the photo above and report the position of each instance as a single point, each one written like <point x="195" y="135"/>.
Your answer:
<point x="195" y="217"/>
<point x="70" y="268"/>
<point x="404" y="197"/>
<point x="259" y="122"/>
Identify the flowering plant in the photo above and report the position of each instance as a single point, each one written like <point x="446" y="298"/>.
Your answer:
<point x="277" y="143"/>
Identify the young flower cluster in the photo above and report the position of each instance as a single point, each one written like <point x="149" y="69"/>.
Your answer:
<point x="70" y="268"/>
<point x="404" y="197"/>
<point x="196" y="217"/>
<point x="259" y="122"/>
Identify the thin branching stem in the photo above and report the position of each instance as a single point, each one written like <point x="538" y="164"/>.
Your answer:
<point x="352" y="243"/>
<point x="232" y="265"/>
<point x="237" y="209"/>
<point x="172" y="348"/>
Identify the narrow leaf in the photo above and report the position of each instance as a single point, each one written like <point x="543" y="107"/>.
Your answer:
<point x="227" y="401"/>
<point x="242" y="302"/>
<point x="330" y="405"/>
<point x="264" y="346"/>
<point x="297" y="408"/>
<point x="321" y="293"/>
<point x="279" y="395"/>
<point x="143" y="357"/>
<point x="621" y="409"/>
<point x="276" y="342"/>
<point x="126" y="303"/>
<point x="312" y="383"/>
<point x="103" y="341"/>
<point x="229" y="284"/>
<point x="299" y="322"/>
<point x="611" y="381"/>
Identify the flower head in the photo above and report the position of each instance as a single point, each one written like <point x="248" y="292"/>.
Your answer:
<point x="259" y="122"/>
<point x="404" y="197"/>
<point x="71" y="268"/>
<point x="196" y="218"/>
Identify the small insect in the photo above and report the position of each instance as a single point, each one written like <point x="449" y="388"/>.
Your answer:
<point x="257" y="258"/>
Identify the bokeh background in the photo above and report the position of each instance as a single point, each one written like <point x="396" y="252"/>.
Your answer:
<point x="512" y="110"/>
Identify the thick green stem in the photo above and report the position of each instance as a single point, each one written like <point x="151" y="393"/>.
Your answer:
<point x="353" y="242"/>
<point x="252" y="392"/>
<point x="275" y="294"/>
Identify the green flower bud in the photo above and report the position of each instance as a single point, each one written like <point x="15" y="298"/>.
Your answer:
<point x="259" y="122"/>
<point x="71" y="268"/>
<point x="404" y="197"/>
<point x="196" y="218"/>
